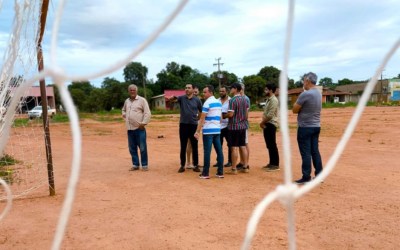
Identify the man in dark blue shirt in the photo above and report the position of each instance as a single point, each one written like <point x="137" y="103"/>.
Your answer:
<point x="190" y="108"/>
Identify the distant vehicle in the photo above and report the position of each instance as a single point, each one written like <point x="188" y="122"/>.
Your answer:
<point x="261" y="104"/>
<point x="37" y="111"/>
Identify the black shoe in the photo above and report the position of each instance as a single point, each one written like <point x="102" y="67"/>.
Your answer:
<point x="228" y="165"/>
<point x="266" y="166"/>
<point x="302" y="180"/>
<point x="272" y="168"/>
<point x="181" y="170"/>
<point x="134" y="168"/>
<point x="239" y="166"/>
<point x="196" y="169"/>
<point x="215" y="165"/>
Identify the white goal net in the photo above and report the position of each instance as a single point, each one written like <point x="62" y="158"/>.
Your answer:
<point x="22" y="154"/>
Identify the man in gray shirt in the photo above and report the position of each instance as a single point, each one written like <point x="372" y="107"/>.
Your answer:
<point x="308" y="107"/>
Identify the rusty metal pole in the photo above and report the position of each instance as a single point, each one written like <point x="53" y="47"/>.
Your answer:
<point x="42" y="25"/>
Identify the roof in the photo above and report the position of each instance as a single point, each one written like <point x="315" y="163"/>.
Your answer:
<point x="168" y="93"/>
<point x="357" y="88"/>
<point x="173" y="92"/>
<point x="325" y="92"/>
<point x="35" y="91"/>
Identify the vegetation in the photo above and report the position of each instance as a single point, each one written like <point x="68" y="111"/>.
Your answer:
<point x="6" y="173"/>
<point x="112" y="93"/>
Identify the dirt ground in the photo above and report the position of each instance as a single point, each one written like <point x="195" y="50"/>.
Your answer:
<point x="357" y="207"/>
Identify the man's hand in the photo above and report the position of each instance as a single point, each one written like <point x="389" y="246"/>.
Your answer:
<point x="262" y="125"/>
<point x="141" y="126"/>
<point x="124" y="116"/>
<point x="196" y="135"/>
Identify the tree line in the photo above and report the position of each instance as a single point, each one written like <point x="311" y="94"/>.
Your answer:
<point x="112" y="93"/>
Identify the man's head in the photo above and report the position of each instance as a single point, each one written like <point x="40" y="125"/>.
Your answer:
<point x="208" y="91"/>
<point x="309" y="80"/>
<point x="132" y="89"/>
<point x="236" y="88"/>
<point x="223" y="92"/>
<point x="270" y="89"/>
<point x="196" y="91"/>
<point x="189" y="89"/>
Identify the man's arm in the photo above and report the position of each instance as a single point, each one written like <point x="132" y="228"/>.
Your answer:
<point x="173" y="99"/>
<point x="124" y="110"/>
<point x="296" y="108"/>
<point x="146" y="114"/>
<point x="200" y="125"/>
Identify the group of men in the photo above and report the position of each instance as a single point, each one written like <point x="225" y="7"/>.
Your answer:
<point x="227" y="118"/>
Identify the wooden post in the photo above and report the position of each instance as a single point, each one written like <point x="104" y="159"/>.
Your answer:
<point x="50" y="172"/>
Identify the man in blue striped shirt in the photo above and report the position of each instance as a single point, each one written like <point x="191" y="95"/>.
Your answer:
<point x="210" y="122"/>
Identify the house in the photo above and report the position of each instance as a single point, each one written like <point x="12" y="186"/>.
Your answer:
<point x="33" y="98"/>
<point x="328" y="95"/>
<point x="380" y="92"/>
<point x="163" y="101"/>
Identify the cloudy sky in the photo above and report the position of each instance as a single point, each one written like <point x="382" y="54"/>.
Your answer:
<point x="334" y="38"/>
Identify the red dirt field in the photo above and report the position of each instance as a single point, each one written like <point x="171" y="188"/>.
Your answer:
<point x="357" y="207"/>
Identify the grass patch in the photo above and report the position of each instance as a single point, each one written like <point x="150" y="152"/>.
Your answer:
<point x="6" y="173"/>
<point x="162" y="117"/>
<point x="339" y="105"/>
<point x="164" y="112"/>
<point x="255" y="127"/>
<point x="20" y="122"/>
<point x="107" y="118"/>
<point x="60" y="118"/>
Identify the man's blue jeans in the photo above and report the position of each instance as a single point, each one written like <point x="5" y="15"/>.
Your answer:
<point x="208" y="141"/>
<point x="137" y="139"/>
<point x="307" y="138"/>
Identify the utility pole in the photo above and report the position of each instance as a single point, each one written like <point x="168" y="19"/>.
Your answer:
<point x="381" y="96"/>
<point x="144" y="84"/>
<point x="219" y="70"/>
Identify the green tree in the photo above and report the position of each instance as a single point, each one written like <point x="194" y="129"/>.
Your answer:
<point x="227" y="78"/>
<point x="198" y="79"/>
<point x="270" y="74"/>
<point x="175" y="76"/>
<point x="79" y="92"/>
<point x="96" y="100"/>
<point x="254" y="87"/>
<point x="78" y="96"/>
<point x="135" y="73"/>
<point x="85" y="86"/>
<point x="115" y="93"/>
<point x="345" y="81"/>
<point x="325" y="82"/>
<point x="291" y="84"/>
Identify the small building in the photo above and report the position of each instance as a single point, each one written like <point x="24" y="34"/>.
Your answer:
<point x="163" y="101"/>
<point x="34" y="98"/>
<point x="394" y="89"/>
<point x="354" y="91"/>
<point x="328" y="95"/>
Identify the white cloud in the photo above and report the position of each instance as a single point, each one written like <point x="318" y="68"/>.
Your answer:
<point x="336" y="38"/>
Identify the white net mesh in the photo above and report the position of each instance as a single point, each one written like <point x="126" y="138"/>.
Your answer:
<point x="23" y="157"/>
